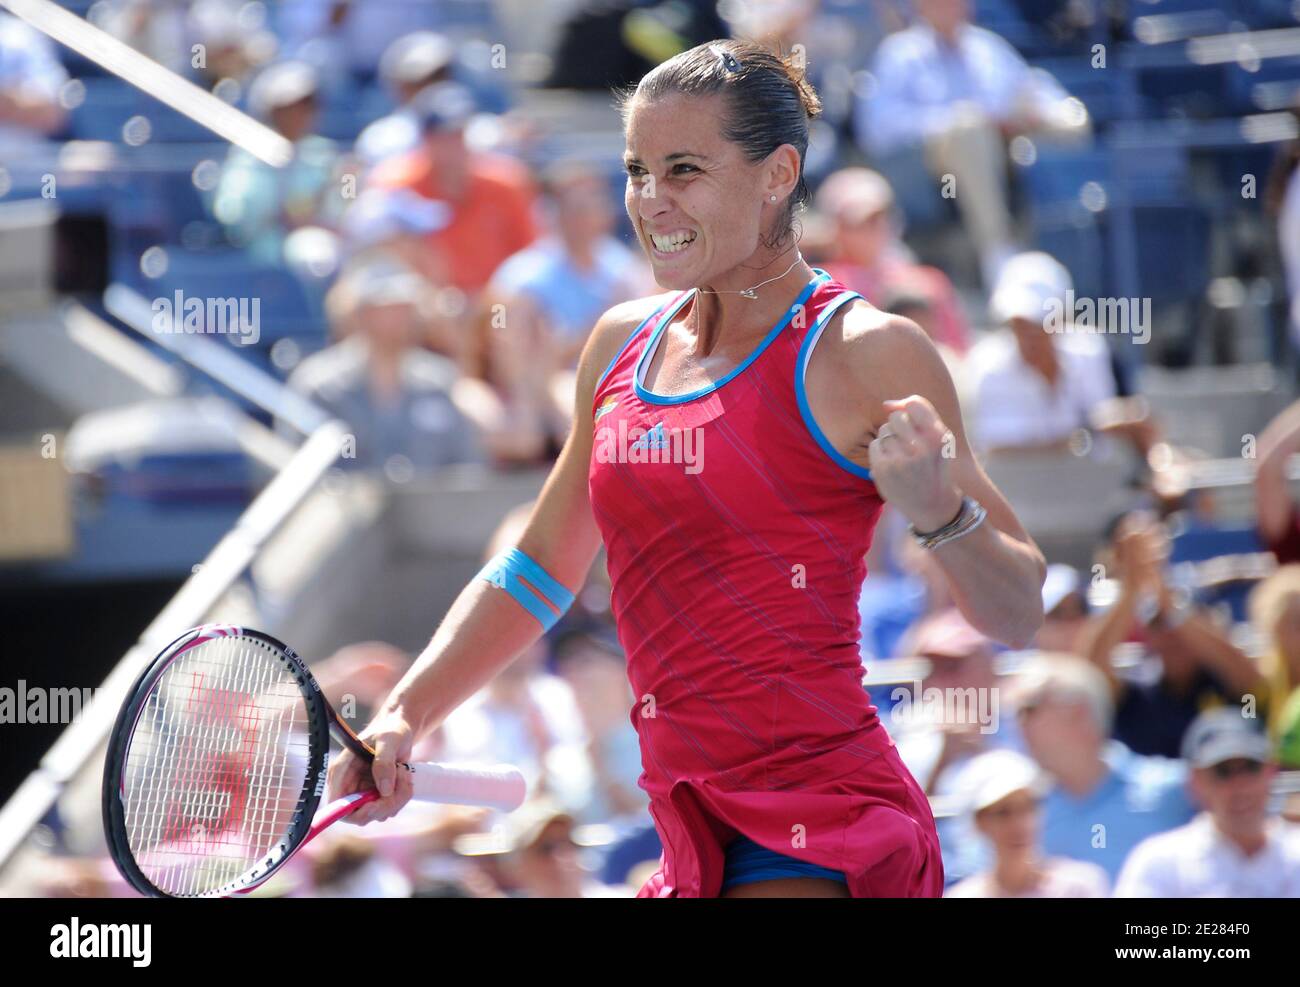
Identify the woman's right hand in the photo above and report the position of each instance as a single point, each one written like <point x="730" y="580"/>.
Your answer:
<point x="392" y="737"/>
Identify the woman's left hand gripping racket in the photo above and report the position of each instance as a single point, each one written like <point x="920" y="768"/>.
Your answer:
<point x="217" y="763"/>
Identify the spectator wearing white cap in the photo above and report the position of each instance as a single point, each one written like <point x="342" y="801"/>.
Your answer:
<point x="1237" y="847"/>
<point x="955" y="716"/>
<point x="950" y="95"/>
<point x="869" y="256"/>
<point x="1033" y="384"/>
<point x="410" y="64"/>
<point x="1104" y="799"/>
<point x="258" y="204"/>
<point x="1003" y="796"/>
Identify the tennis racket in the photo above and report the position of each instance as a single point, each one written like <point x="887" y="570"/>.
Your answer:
<point x="217" y="763"/>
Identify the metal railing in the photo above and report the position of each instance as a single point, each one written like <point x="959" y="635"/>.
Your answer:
<point x="223" y="566"/>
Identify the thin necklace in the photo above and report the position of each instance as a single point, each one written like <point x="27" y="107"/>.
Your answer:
<point x="752" y="291"/>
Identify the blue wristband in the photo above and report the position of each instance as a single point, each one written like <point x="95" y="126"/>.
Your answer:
<point x="504" y="570"/>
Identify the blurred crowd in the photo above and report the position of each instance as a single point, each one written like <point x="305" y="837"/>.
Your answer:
<point x="1139" y="748"/>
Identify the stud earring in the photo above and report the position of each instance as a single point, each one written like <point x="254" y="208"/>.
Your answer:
<point x="772" y="197"/>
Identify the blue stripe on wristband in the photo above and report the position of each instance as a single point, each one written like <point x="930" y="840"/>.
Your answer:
<point x="504" y="570"/>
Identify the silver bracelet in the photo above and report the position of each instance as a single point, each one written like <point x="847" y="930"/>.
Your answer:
<point x="970" y="517"/>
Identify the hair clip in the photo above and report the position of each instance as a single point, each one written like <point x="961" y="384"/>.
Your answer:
<point x="728" y="60"/>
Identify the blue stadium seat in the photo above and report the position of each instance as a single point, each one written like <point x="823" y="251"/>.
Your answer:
<point x="1183" y="90"/>
<point x="1173" y="251"/>
<point x="1109" y="93"/>
<point x="1135" y="9"/>
<point x="346" y="110"/>
<point x="1074" y="237"/>
<point x="1073" y="193"/>
<point x="1264" y="14"/>
<point x="1061" y="175"/>
<point x="168" y="126"/>
<point x="108" y="104"/>
<point x="1003" y="18"/>
<point x="467" y="17"/>
<point x="1196" y="541"/>
<point x="287" y="307"/>
<point x="1273" y="85"/>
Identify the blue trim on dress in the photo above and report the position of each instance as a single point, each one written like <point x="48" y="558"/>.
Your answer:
<point x="650" y="397"/>
<point x="628" y="342"/>
<point x="801" y="391"/>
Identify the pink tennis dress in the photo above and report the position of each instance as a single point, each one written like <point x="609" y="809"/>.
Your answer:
<point x="736" y="537"/>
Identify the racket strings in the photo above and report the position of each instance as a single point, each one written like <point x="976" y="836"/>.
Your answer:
<point x="215" y="774"/>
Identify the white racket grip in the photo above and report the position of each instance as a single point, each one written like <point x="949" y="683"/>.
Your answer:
<point x="499" y="787"/>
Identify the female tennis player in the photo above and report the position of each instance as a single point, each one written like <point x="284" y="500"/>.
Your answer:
<point x="734" y="441"/>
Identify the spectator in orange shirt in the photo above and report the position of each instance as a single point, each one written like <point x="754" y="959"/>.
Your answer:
<point x="491" y="197"/>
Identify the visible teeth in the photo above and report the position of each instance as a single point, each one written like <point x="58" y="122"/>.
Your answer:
<point x="671" y="243"/>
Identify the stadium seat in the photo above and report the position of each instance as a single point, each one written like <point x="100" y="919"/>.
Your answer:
<point x="1073" y="195"/>
<point x="1136" y="9"/>
<point x="285" y="306"/>
<point x="164" y="200"/>
<point x="1074" y="237"/>
<point x="346" y="111"/>
<point x="168" y="126"/>
<point x="1173" y="251"/>
<point x="1212" y="408"/>
<point x="108" y="104"/>
<point x="1109" y="93"/>
<point x="1272" y="85"/>
<point x="1004" y="18"/>
<point x="1195" y="541"/>
<point x="1064" y="501"/>
<point x="1170" y="85"/>
<point x="1063" y="175"/>
<point x="1264" y="14"/>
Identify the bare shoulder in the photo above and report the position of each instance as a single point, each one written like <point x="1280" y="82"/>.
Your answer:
<point x="883" y="350"/>
<point x="615" y="325"/>
<point x="869" y="331"/>
<point x="609" y="334"/>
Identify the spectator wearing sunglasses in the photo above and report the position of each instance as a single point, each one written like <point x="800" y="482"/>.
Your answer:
<point x="1237" y="847"/>
<point x="1005" y="798"/>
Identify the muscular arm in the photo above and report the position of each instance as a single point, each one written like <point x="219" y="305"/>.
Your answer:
<point x="995" y="573"/>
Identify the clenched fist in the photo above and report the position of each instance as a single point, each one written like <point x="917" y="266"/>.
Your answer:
<point x="911" y="457"/>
